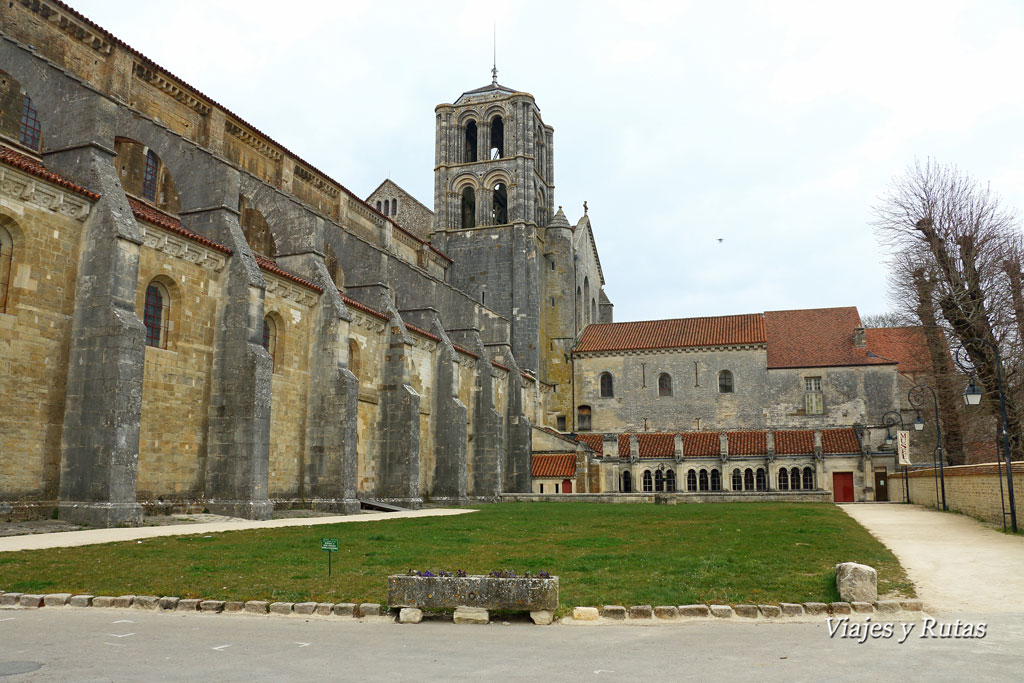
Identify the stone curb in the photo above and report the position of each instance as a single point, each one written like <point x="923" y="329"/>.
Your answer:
<point x="782" y="611"/>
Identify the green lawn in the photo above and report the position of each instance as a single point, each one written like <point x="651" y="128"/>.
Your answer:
<point x="604" y="554"/>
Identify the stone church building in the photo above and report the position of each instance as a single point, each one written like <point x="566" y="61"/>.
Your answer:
<point x="193" y="317"/>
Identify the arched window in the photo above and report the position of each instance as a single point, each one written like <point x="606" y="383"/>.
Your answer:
<point x="748" y="480"/>
<point x="156" y="315"/>
<point x="149" y="176"/>
<point x="333" y="268"/>
<point x="725" y="382"/>
<point x="808" y="479"/>
<point x="470" y="148"/>
<point x="783" y="480"/>
<point x="270" y="339"/>
<point x="29" y="133"/>
<point x="648" y="482"/>
<point x="607" y="386"/>
<point x="6" y="264"/>
<point x="664" y="384"/>
<point x="716" y="480"/>
<point x="378" y="205"/>
<point x="583" y="418"/>
<point x="593" y="310"/>
<point x="691" y="480"/>
<point x="627" y="482"/>
<point x="256" y="229"/>
<point x="737" y="480"/>
<point x="670" y="481"/>
<point x="659" y="481"/>
<point x="499" y="208"/>
<point x="586" y="297"/>
<point x="497" y="138"/>
<point x="579" y="308"/>
<point x="354" y="364"/>
<point x="468" y="207"/>
<point x="394" y="207"/>
<point x="704" y="486"/>
<point x="794" y="479"/>
<point x="762" y="481"/>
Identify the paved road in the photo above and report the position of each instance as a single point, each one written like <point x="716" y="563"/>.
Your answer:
<point x="957" y="563"/>
<point x="92" y="644"/>
<point x="68" y="539"/>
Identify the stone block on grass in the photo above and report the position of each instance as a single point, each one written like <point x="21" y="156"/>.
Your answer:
<point x="746" y="611"/>
<point x="856" y="582"/>
<point x="840" y="608"/>
<point x="542" y="617"/>
<point x="211" y="606"/>
<point x="770" y="611"/>
<point x="123" y="601"/>
<point x="169" y="603"/>
<point x="471" y="615"/>
<point x="694" y="611"/>
<point x="103" y="601"/>
<point x="816" y="608"/>
<point x="721" y="611"/>
<point x="304" y="608"/>
<point x="410" y="615"/>
<point x="862" y="607"/>
<point x="188" y="605"/>
<point x="56" y="599"/>
<point x="585" y="614"/>
<point x="666" y="612"/>
<point x="9" y="599"/>
<point x="324" y="608"/>
<point x="145" y="602"/>
<point x="344" y="609"/>
<point x="281" y="607"/>
<point x="257" y="607"/>
<point x="31" y="600"/>
<point x="791" y="609"/>
<point x="617" y="612"/>
<point x="641" y="612"/>
<point x="369" y="609"/>
<point x="80" y="601"/>
<point x="234" y="606"/>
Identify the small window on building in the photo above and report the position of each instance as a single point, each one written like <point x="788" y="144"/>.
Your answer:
<point x="556" y="489"/>
<point x="29" y="134"/>
<point x="542" y="488"/>
<point x="354" y="365"/>
<point x="607" y="385"/>
<point x="6" y="263"/>
<point x="470" y="145"/>
<point x="499" y="210"/>
<point x="378" y="205"/>
<point x="627" y="482"/>
<point x="648" y="482"/>
<point x="783" y="480"/>
<point x="808" y="479"/>
<point x="552" y="264"/>
<point x="270" y="339"/>
<point x="394" y="207"/>
<point x="468" y="208"/>
<point x="716" y="480"/>
<point x="560" y="420"/>
<point x="813" y="404"/>
<point x="704" y="484"/>
<point x="155" y="315"/>
<point x="737" y="480"/>
<point x="762" y="481"/>
<point x="670" y="481"/>
<point x="691" y="480"/>
<point x="497" y="138"/>
<point x="583" y="418"/>
<point x="794" y="479"/>
<point x="149" y="176"/>
<point x="659" y="481"/>
<point x="552" y="302"/>
<point x="664" y="384"/>
<point x="725" y="382"/>
<point x="748" y="480"/>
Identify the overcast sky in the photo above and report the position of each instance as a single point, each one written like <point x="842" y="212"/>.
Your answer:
<point x="771" y="126"/>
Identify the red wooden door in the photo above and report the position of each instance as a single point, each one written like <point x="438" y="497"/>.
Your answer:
<point x="842" y="487"/>
<point x="567" y="486"/>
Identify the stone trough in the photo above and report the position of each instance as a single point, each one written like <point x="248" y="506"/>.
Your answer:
<point x="519" y="594"/>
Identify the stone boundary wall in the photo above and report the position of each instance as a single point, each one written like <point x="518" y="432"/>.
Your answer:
<point x="971" y="489"/>
<point x="673" y="498"/>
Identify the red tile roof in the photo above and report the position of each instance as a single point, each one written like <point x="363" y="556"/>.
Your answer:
<point x="747" y="443"/>
<point x="623" y="445"/>
<point x="701" y="444"/>
<point x="554" y="465"/>
<point x="794" y="442"/>
<point x="905" y="345"/>
<point x="656" y="445"/>
<point x="149" y="214"/>
<point x="813" y="338"/>
<point x="271" y="266"/>
<point x="839" y="441"/>
<point x="363" y="307"/>
<point x="36" y="168"/>
<point x="595" y="441"/>
<point x="678" y="333"/>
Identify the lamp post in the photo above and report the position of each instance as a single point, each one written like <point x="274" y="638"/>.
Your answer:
<point x="916" y="396"/>
<point x="889" y="420"/>
<point x="972" y="397"/>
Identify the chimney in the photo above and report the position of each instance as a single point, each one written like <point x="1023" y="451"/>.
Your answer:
<point x="859" y="338"/>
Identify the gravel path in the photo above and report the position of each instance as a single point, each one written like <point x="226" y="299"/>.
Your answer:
<point x="957" y="563"/>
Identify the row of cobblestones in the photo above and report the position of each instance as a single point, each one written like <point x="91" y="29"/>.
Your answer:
<point x="781" y="610"/>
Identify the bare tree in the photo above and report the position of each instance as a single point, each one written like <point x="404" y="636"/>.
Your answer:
<point x="888" y="319"/>
<point x="957" y="252"/>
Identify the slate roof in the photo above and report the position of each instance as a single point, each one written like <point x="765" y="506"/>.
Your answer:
<point x="905" y="345"/>
<point x="814" y="338"/>
<point x="676" y="333"/>
<point x="554" y="465"/>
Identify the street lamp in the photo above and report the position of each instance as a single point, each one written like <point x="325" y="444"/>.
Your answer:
<point x="889" y="420"/>
<point x="916" y="396"/>
<point x="972" y="396"/>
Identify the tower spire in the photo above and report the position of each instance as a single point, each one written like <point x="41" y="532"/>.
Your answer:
<point x="494" y="66"/>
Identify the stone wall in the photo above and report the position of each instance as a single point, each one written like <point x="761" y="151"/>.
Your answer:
<point x="970" y="489"/>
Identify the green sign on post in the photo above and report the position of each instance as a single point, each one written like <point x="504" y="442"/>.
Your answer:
<point x="331" y="546"/>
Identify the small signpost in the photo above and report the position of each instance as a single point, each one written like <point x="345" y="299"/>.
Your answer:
<point x="903" y="452"/>
<point x="331" y="546"/>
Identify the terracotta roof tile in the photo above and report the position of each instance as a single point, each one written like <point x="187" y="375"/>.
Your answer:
<point x="554" y="465"/>
<point x="905" y="345"/>
<point x="145" y="212"/>
<point x="839" y="441"/>
<point x="813" y="338"/>
<point x="36" y="168"/>
<point x="701" y="444"/>
<point x="747" y="443"/>
<point x="363" y="307"/>
<point x="623" y="445"/>
<point x="678" y="333"/>
<point x="794" y="442"/>
<point x="595" y="441"/>
<point x="657" y="445"/>
<point x="270" y="265"/>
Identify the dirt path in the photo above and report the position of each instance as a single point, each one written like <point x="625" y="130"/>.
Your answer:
<point x="957" y="563"/>
<point x="67" y="539"/>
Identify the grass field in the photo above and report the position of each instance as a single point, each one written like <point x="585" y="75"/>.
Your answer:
<point x="604" y="554"/>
